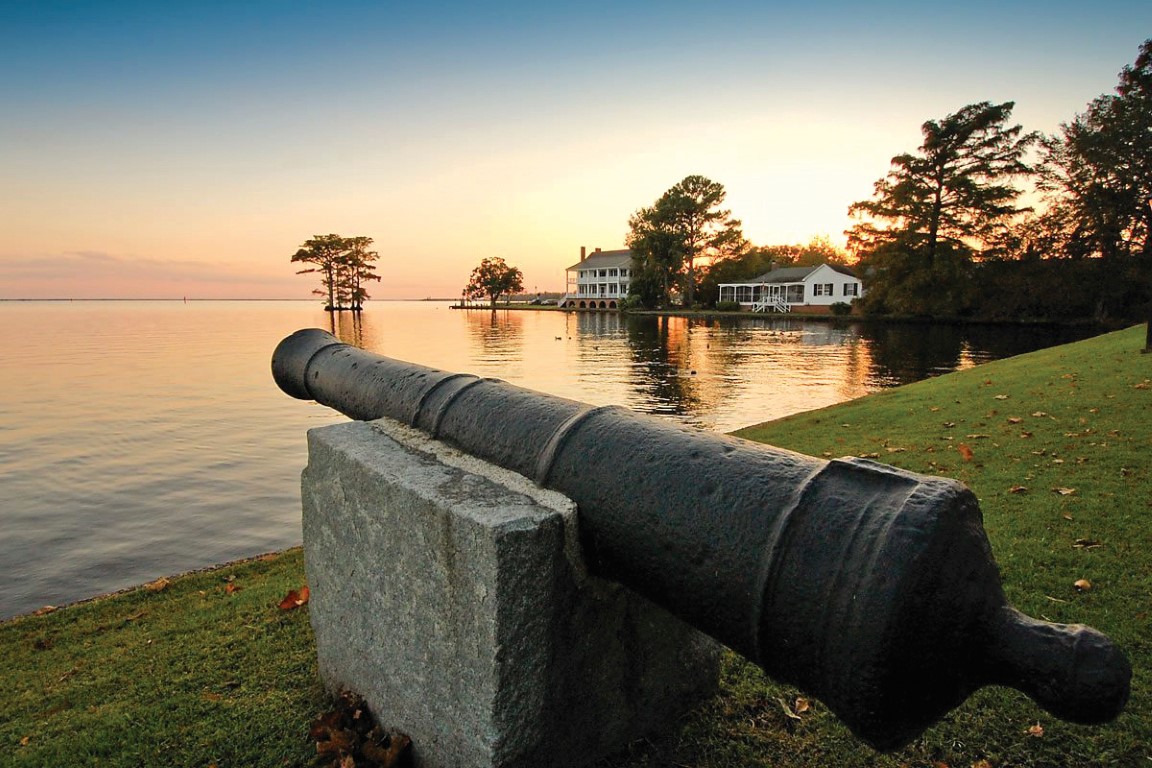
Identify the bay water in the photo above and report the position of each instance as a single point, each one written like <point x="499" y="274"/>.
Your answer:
<point x="146" y="438"/>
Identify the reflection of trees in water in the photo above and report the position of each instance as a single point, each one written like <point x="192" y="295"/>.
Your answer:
<point x="749" y="348"/>
<point x="348" y="327"/>
<point x="993" y="342"/>
<point x="907" y="352"/>
<point x="497" y="335"/>
<point x="661" y="364"/>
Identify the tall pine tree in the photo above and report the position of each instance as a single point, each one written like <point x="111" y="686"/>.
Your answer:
<point x="938" y="209"/>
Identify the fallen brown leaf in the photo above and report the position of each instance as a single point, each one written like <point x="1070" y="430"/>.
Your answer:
<point x="231" y="587"/>
<point x="1064" y="491"/>
<point x="295" y="599"/>
<point x="1082" y="585"/>
<point x="159" y="585"/>
<point x="801" y="705"/>
<point x="787" y="710"/>
<point x="1014" y="419"/>
<point x="350" y="735"/>
<point x="981" y="764"/>
<point x="1001" y="397"/>
<point x="44" y="611"/>
<point x="1085" y="544"/>
<point x="1018" y="489"/>
<point x="965" y="451"/>
<point x="1036" y="730"/>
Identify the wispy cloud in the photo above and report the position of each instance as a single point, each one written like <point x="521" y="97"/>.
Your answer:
<point x="100" y="274"/>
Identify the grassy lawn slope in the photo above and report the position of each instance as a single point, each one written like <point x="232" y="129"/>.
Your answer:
<point x="210" y="670"/>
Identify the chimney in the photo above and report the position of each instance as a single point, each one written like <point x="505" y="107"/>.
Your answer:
<point x="583" y="253"/>
<point x="597" y="250"/>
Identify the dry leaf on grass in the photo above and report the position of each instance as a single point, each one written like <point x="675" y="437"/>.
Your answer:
<point x="295" y="599"/>
<point x="159" y="585"/>
<point x="787" y="710"/>
<point x="1082" y="585"/>
<point x="1064" y="491"/>
<point x="1035" y="730"/>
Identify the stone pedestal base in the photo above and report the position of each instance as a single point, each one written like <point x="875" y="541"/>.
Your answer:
<point x="450" y="594"/>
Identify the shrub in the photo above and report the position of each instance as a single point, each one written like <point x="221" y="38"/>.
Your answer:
<point x="727" y="306"/>
<point x="630" y="302"/>
<point x="841" y="308"/>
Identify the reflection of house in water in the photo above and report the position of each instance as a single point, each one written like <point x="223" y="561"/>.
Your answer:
<point x="811" y="290"/>
<point x="599" y="280"/>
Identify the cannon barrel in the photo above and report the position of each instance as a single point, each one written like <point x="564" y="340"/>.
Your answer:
<point x="867" y="586"/>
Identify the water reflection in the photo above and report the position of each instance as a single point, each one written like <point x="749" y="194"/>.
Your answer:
<point x="661" y="371"/>
<point x="181" y="451"/>
<point x="902" y="354"/>
<point x="717" y="373"/>
<point x="496" y="335"/>
<point x="348" y="327"/>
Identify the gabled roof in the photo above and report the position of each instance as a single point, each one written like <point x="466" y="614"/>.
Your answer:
<point x="785" y="275"/>
<point x="604" y="260"/>
<point x="795" y="274"/>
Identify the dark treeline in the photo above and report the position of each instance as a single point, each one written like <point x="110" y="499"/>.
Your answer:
<point x="951" y="230"/>
<point x="945" y="233"/>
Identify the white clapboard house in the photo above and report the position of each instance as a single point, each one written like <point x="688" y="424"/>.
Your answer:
<point x="795" y="289"/>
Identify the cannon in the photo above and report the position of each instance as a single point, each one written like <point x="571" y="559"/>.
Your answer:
<point x="869" y="587"/>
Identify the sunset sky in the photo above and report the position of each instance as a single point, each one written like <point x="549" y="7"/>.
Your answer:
<point x="166" y="149"/>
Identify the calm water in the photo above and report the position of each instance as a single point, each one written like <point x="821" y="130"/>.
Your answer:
<point x="139" y="439"/>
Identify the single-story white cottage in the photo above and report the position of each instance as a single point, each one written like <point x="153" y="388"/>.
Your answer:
<point x="795" y="289"/>
<point x="599" y="280"/>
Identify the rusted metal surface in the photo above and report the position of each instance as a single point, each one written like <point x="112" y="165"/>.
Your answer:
<point x="867" y="586"/>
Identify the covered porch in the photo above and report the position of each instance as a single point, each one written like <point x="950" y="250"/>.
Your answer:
<point x="763" y="297"/>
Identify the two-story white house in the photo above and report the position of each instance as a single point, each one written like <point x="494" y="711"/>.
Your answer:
<point x="599" y="280"/>
<point x="795" y="289"/>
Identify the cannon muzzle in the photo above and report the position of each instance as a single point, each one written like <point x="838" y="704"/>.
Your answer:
<point x="867" y="586"/>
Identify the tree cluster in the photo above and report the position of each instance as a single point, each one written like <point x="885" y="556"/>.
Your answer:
<point x="668" y="238"/>
<point x="685" y="245"/>
<point x="943" y="214"/>
<point x="345" y="266"/>
<point x="492" y="279"/>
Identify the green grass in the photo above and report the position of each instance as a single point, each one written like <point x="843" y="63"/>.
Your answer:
<point x="195" y="676"/>
<point x="1076" y="417"/>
